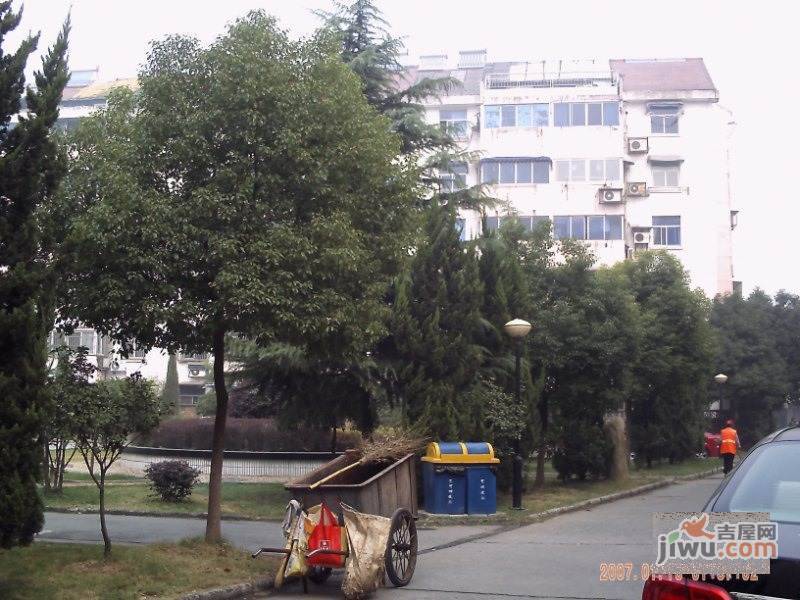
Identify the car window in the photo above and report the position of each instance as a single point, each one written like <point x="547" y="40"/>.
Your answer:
<point x="767" y="481"/>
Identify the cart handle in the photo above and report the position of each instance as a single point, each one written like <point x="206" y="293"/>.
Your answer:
<point x="323" y="551"/>
<point x="271" y="550"/>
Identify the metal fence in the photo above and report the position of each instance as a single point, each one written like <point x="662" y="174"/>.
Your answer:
<point x="238" y="464"/>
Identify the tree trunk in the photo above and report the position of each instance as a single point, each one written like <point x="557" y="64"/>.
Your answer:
<point x="213" y="523"/>
<point x="541" y="458"/>
<point x="103" y="528"/>
<point x="46" y="466"/>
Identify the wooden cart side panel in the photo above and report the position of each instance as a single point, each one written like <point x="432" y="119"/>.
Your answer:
<point x="387" y="493"/>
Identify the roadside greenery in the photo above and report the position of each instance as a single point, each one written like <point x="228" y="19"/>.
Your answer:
<point x="167" y="571"/>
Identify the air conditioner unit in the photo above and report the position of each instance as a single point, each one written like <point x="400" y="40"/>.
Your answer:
<point x="197" y="371"/>
<point x="637" y="145"/>
<point x="610" y="195"/>
<point x="641" y="237"/>
<point x="636" y="188"/>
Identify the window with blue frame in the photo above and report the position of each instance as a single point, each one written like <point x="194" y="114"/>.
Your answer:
<point x="516" y="115"/>
<point x="667" y="231"/>
<point x="577" y="114"/>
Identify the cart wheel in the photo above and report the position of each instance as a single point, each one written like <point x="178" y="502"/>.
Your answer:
<point x="401" y="552"/>
<point x="319" y="575"/>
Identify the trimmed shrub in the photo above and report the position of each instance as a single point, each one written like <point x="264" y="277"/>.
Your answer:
<point x="249" y="434"/>
<point x="172" y="480"/>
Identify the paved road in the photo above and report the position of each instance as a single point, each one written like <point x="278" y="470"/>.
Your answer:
<point x="248" y="535"/>
<point x="558" y="558"/>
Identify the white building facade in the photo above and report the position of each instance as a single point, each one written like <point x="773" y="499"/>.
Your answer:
<point x="625" y="155"/>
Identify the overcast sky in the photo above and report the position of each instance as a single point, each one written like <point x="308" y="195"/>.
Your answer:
<point x="750" y="49"/>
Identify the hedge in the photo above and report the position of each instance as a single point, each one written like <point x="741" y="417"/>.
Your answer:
<point x="248" y="434"/>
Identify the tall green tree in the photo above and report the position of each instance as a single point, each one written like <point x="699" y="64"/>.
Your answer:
<point x="749" y="352"/>
<point x="30" y="168"/>
<point x="247" y="188"/>
<point x="435" y="327"/>
<point x="675" y="363"/>
<point x="373" y="54"/>
<point x="170" y="393"/>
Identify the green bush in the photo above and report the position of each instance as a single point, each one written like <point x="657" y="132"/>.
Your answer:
<point x="172" y="480"/>
<point x="583" y="452"/>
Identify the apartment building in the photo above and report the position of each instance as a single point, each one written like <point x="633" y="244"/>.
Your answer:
<point x="623" y="154"/>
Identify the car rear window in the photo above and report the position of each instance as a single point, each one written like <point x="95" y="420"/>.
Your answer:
<point x="767" y="481"/>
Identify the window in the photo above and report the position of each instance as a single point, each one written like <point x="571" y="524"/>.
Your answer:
<point x="461" y="228"/>
<point x="561" y="115"/>
<point x="136" y="353"/>
<point x="455" y="122"/>
<point x="604" y="169"/>
<point x="189" y="356"/>
<point x="600" y="169"/>
<point x="491" y="117"/>
<point x="666" y="231"/>
<point x="515" y="171"/>
<point x="589" y="227"/>
<point x="455" y="178"/>
<point x="517" y="115"/>
<point x="190" y="394"/>
<point x="664" y="119"/>
<point x="490" y="172"/>
<point x="666" y="175"/>
<point x="84" y="338"/>
<point x="528" y="222"/>
<point x="582" y="113"/>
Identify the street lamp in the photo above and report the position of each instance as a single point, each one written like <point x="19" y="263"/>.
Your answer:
<point x="517" y="329"/>
<point x="721" y="378"/>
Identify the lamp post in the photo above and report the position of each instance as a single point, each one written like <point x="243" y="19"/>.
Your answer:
<point x="517" y="329"/>
<point x="721" y="379"/>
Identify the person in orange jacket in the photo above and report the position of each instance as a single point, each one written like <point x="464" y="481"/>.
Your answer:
<point x="729" y="444"/>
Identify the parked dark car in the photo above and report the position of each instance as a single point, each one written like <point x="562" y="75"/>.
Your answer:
<point x="766" y="480"/>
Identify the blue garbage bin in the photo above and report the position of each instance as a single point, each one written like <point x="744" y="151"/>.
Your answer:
<point x="444" y="479"/>
<point x="459" y="478"/>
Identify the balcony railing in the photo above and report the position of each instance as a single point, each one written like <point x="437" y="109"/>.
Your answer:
<point x="548" y="80"/>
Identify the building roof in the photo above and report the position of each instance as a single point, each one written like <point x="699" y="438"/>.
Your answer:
<point x="651" y="75"/>
<point x="663" y="75"/>
<point x="98" y="90"/>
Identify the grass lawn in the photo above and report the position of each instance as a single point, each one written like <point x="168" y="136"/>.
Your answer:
<point x="72" y="571"/>
<point x="252" y="500"/>
<point x="556" y="493"/>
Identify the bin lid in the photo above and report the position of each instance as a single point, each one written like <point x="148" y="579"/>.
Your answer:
<point x="460" y="453"/>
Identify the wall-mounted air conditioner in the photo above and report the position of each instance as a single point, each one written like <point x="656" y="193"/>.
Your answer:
<point x="637" y="145"/>
<point x="636" y="188"/>
<point x="641" y="237"/>
<point x="610" y="195"/>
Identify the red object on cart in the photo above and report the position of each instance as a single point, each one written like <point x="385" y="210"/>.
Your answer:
<point x="712" y="443"/>
<point x="326" y="538"/>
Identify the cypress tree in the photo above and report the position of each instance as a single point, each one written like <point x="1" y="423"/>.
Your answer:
<point x="437" y="317"/>
<point x="29" y="173"/>
<point x="171" y="392"/>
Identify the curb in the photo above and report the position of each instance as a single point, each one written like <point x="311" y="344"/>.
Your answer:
<point x="236" y="590"/>
<point x="560" y="510"/>
<point x="142" y="513"/>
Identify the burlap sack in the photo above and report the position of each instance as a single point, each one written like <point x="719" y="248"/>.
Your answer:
<point x="367" y="536"/>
